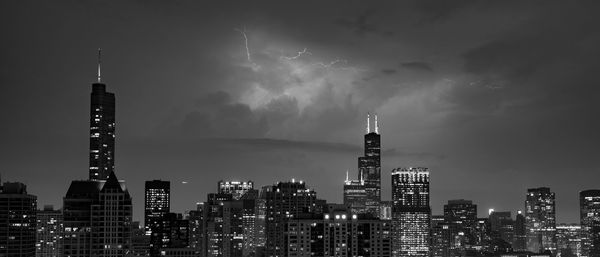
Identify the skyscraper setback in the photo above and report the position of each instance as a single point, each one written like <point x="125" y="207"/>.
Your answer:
<point x="102" y="130"/>
<point x="369" y="168"/>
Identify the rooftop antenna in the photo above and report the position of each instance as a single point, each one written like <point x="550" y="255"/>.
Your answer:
<point x="346" y="175"/>
<point x="376" y="125"/>
<point x="368" y="125"/>
<point x="99" y="63"/>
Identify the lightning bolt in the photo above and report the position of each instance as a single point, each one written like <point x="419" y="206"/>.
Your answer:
<point x="243" y="32"/>
<point x="300" y="53"/>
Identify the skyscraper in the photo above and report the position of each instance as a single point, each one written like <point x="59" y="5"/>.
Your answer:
<point x="502" y="226"/>
<point x="156" y="206"/>
<point x="17" y="220"/>
<point x="411" y="213"/>
<point x="97" y="218"/>
<point x="355" y="195"/>
<point x="369" y="168"/>
<point x="540" y="220"/>
<point x="285" y="200"/>
<point x="111" y="219"/>
<point x="102" y="130"/>
<point x="49" y="232"/>
<point x="463" y="214"/>
<point x="520" y="240"/>
<point x="589" y="203"/>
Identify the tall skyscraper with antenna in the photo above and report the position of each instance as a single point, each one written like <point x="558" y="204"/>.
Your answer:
<point x="369" y="168"/>
<point x="102" y="129"/>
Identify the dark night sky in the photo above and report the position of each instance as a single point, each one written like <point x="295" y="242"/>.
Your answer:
<point x="494" y="97"/>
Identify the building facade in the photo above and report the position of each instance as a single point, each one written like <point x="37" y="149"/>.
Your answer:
<point x="411" y="212"/>
<point x="339" y="233"/>
<point x="589" y="205"/>
<point x="157" y="204"/>
<point x="102" y="132"/>
<point x="540" y="220"/>
<point x="284" y="201"/>
<point x="49" y="239"/>
<point x="17" y="221"/>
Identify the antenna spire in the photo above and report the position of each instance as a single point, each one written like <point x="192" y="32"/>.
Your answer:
<point x="346" y="175"/>
<point x="368" y="125"/>
<point x="99" y="64"/>
<point x="376" y="125"/>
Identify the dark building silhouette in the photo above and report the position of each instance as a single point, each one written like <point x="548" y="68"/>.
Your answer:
<point x="369" y="168"/>
<point x="157" y="200"/>
<point x="540" y="220"/>
<point x="285" y="201"/>
<point x="411" y="213"/>
<point x="520" y="240"/>
<point x="462" y="213"/>
<point x="589" y="205"/>
<point x="102" y="130"/>
<point x="17" y="220"/>
<point x="49" y="239"/>
<point x="97" y="218"/>
<point x="213" y="224"/>
<point x="196" y="227"/>
<point x="502" y="226"/>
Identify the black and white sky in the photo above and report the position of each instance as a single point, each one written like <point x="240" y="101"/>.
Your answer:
<point x="493" y="96"/>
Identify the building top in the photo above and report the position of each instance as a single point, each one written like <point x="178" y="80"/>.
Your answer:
<point x="92" y="187"/>
<point x="590" y="192"/>
<point x="14" y="188"/>
<point x="410" y="170"/>
<point x="459" y="201"/>
<point x="539" y="190"/>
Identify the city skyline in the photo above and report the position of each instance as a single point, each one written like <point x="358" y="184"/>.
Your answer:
<point x="482" y="136"/>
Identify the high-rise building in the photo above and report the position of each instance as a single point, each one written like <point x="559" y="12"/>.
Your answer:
<point x="284" y="201"/>
<point x="369" y="168"/>
<point x="49" y="240"/>
<point x="236" y="188"/>
<point x="444" y="239"/>
<point x="157" y="202"/>
<point x="102" y="130"/>
<point x="355" y="195"/>
<point x="520" y="240"/>
<point x="239" y="228"/>
<point x="97" y="218"/>
<point x="540" y="220"/>
<point x="213" y="224"/>
<point x="339" y="233"/>
<point x="111" y="219"/>
<point x="502" y="226"/>
<point x="589" y="204"/>
<point x="568" y="240"/>
<point x="196" y="229"/>
<point x="17" y="220"/>
<point x="462" y="213"/>
<point x="411" y="213"/>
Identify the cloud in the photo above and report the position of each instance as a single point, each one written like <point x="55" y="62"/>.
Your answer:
<point x="417" y="66"/>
